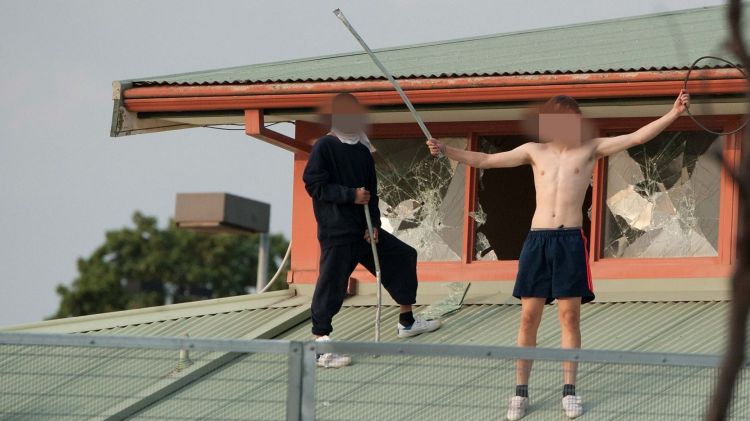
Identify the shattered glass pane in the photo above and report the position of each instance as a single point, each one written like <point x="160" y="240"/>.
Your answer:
<point x="450" y="304"/>
<point x="663" y="198"/>
<point x="421" y="198"/>
<point x="505" y="204"/>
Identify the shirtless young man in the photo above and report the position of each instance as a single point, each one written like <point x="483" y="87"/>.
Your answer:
<point x="553" y="262"/>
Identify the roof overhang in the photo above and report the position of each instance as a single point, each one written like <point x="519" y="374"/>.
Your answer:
<point x="140" y="109"/>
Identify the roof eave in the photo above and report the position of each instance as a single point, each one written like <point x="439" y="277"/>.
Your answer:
<point x="430" y="91"/>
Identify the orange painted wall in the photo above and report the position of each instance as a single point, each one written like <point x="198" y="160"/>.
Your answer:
<point x="306" y="252"/>
<point x="305" y="249"/>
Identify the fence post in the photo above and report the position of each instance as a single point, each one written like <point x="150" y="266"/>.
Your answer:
<point x="294" y="382"/>
<point x="309" y="366"/>
<point x="300" y="399"/>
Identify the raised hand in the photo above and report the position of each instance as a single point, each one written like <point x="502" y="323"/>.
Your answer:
<point x="682" y="102"/>
<point x="437" y="147"/>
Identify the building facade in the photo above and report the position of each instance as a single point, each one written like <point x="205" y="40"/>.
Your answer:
<point x="664" y="211"/>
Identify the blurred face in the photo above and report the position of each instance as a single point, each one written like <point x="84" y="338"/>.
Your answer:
<point x="562" y="128"/>
<point x="348" y="115"/>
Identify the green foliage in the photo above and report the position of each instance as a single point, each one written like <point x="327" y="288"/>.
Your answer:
<point x="134" y="265"/>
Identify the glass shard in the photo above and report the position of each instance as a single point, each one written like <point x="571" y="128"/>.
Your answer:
<point x="663" y="199"/>
<point x="421" y="198"/>
<point x="450" y="304"/>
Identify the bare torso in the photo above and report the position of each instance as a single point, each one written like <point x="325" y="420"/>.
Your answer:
<point x="561" y="178"/>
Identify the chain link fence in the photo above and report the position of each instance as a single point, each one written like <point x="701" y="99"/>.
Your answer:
<point x="97" y="377"/>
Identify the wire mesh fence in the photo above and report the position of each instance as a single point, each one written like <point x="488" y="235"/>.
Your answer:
<point x="78" y="377"/>
<point x="437" y="388"/>
<point x="86" y="377"/>
<point x="436" y="382"/>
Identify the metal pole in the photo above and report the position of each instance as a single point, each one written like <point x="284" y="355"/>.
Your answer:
<point x="264" y="248"/>
<point x="378" y="292"/>
<point x="339" y="14"/>
<point x="294" y="375"/>
<point x="309" y="373"/>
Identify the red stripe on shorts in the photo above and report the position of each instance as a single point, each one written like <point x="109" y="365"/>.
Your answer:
<point x="588" y="267"/>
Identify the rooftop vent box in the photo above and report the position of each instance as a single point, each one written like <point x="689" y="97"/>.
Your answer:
<point x="221" y="212"/>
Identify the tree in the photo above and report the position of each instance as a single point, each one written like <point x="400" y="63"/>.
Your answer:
<point x="146" y="265"/>
<point x="734" y="355"/>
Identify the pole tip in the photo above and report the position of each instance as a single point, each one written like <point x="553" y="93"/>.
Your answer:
<point x="337" y="12"/>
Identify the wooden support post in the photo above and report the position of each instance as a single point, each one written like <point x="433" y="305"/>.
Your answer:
<point x="254" y="127"/>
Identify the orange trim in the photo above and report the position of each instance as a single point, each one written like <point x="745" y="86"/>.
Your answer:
<point x="172" y="91"/>
<point x="445" y="129"/>
<point x="254" y="127"/>
<point x="506" y="270"/>
<point x="470" y="200"/>
<point x="727" y="205"/>
<point x="734" y="157"/>
<point x="305" y="249"/>
<point x="438" y="96"/>
<point x="687" y="267"/>
<point x="598" y="190"/>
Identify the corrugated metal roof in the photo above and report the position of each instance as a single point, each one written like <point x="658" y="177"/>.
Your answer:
<point x="653" y="42"/>
<point x="60" y="382"/>
<point x="653" y="326"/>
<point x="78" y="383"/>
<point x="236" y="324"/>
<point x="420" y="388"/>
<point x="440" y="388"/>
<point x="69" y="383"/>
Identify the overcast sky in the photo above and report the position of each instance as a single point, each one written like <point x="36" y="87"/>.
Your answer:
<point x="64" y="182"/>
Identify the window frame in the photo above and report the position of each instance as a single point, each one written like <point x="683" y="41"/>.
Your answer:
<point x="602" y="268"/>
<point x="714" y="266"/>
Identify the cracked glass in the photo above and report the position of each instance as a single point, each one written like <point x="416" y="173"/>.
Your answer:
<point x="505" y="205"/>
<point x="662" y="199"/>
<point x="421" y="197"/>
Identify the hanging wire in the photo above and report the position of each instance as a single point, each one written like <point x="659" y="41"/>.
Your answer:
<point x="685" y="87"/>
<point x="225" y="128"/>
<point x="281" y="267"/>
<point x="240" y="126"/>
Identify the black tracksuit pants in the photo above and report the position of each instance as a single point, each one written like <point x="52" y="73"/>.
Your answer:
<point x="398" y="266"/>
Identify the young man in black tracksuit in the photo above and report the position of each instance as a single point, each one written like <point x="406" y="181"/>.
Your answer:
<point x="340" y="177"/>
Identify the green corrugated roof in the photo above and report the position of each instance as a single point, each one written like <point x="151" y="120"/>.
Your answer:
<point x="85" y="382"/>
<point x="654" y="42"/>
<point x="428" y="389"/>
<point x="59" y="382"/>
<point x="638" y="326"/>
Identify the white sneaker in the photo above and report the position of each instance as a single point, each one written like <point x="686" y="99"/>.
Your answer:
<point x="331" y="360"/>
<point x="572" y="406"/>
<point x="517" y="408"/>
<point x="418" y="327"/>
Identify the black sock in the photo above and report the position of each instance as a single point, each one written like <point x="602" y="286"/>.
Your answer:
<point x="569" y="389"/>
<point x="522" y="390"/>
<point x="406" y="319"/>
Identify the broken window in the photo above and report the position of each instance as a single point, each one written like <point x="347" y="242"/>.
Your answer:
<point x="506" y="200"/>
<point x="662" y="198"/>
<point x="421" y="197"/>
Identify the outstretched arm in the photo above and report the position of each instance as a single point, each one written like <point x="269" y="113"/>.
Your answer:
<point x="513" y="158"/>
<point x="610" y="145"/>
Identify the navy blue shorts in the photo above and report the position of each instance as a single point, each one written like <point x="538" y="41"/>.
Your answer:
<point x="554" y="264"/>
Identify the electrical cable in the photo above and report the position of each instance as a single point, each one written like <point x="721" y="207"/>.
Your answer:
<point x="278" y="271"/>
<point x="685" y="88"/>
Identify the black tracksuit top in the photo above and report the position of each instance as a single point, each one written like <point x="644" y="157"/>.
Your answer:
<point x="333" y="173"/>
